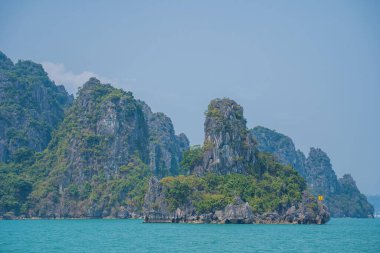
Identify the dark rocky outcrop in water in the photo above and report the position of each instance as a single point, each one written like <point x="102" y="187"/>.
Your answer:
<point x="306" y="211"/>
<point x="349" y="202"/>
<point x="31" y="107"/>
<point x="341" y="196"/>
<point x="300" y="213"/>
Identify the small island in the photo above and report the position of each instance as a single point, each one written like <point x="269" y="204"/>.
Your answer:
<point x="228" y="180"/>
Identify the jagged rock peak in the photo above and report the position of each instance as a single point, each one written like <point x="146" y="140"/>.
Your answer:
<point x="359" y="207"/>
<point x="30" y="68"/>
<point x="320" y="174"/>
<point x="165" y="148"/>
<point x="348" y="184"/>
<point x="228" y="146"/>
<point x="183" y="141"/>
<point x="93" y="82"/>
<point x="318" y="158"/>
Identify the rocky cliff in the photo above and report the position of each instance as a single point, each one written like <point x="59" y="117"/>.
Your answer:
<point x="341" y="196"/>
<point x="31" y="107"/>
<point x="237" y="211"/>
<point x="229" y="181"/>
<point x="349" y="202"/>
<point x="320" y="174"/>
<point x="103" y="154"/>
<point x="165" y="148"/>
<point x="228" y="146"/>
<point x="102" y="139"/>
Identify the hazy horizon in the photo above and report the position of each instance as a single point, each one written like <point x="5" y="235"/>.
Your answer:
<point x="309" y="70"/>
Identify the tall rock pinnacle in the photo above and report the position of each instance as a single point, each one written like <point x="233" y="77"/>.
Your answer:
<point x="229" y="148"/>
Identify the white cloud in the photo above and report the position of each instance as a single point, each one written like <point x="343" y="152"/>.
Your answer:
<point x="60" y="75"/>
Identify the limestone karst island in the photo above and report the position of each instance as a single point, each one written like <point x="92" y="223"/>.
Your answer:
<point x="105" y="154"/>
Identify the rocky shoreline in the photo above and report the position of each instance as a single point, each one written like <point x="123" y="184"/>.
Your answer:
<point x="240" y="212"/>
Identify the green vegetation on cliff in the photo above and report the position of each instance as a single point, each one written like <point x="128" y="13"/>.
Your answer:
<point x="191" y="159"/>
<point x="14" y="190"/>
<point x="269" y="187"/>
<point x="96" y="163"/>
<point x="31" y="109"/>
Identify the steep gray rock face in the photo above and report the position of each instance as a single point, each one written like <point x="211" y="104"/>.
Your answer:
<point x="301" y="161"/>
<point x="165" y="148"/>
<point x="320" y="175"/>
<point x="155" y="206"/>
<point x="229" y="148"/>
<point x="103" y="154"/>
<point x="31" y="107"/>
<point x="183" y="142"/>
<point x="111" y="121"/>
<point x="103" y="139"/>
<point x="281" y="146"/>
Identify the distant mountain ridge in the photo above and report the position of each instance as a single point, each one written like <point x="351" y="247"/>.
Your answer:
<point x="341" y="195"/>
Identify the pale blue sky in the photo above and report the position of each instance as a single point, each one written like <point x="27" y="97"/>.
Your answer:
<point x="309" y="69"/>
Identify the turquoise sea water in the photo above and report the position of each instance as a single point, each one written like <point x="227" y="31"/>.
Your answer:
<point x="339" y="235"/>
